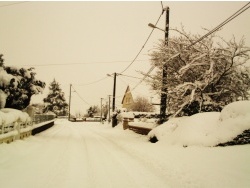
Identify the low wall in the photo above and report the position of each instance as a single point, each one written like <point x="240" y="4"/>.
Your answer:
<point x="42" y="128"/>
<point x="20" y="130"/>
<point x="136" y="129"/>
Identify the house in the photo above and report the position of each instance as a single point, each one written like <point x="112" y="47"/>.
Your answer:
<point x="127" y="100"/>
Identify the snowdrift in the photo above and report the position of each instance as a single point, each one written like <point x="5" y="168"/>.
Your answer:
<point x="205" y="129"/>
<point x="9" y="115"/>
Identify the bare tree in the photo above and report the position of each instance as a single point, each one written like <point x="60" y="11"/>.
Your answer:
<point x="203" y="77"/>
<point x="142" y="104"/>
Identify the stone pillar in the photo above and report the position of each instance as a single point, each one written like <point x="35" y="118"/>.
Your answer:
<point x="17" y="127"/>
<point x="125" y="123"/>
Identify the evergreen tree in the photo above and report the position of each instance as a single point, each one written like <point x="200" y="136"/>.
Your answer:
<point x="55" y="101"/>
<point x="18" y="85"/>
<point x="93" y="110"/>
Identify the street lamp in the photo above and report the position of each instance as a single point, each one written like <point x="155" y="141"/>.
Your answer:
<point x="155" y="27"/>
<point x="163" y="106"/>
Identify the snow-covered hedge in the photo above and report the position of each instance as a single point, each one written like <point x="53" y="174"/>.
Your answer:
<point x="9" y="115"/>
<point x="205" y="129"/>
<point x="14" y="124"/>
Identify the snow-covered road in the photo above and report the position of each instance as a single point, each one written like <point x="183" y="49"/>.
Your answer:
<point x="73" y="155"/>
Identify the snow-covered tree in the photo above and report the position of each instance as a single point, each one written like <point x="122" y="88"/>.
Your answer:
<point x="203" y="77"/>
<point x="142" y="104"/>
<point x="55" y="101"/>
<point x="93" y="110"/>
<point x="17" y="86"/>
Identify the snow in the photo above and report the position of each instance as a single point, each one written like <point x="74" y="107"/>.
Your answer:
<point x="92" y="154"/>
<point x="206" y="129"/>
<point x="127" y="114"/>
<point x="235" y="110"/>
<point x="10" y="115"/>
<point x="3" y="97"/>
<point x="5" y="78"/>
<point x="84" y="154"/>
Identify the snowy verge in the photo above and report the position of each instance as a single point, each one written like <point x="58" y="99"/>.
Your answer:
<point x="205" y="129"/>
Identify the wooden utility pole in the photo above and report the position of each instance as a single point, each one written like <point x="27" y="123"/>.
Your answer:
<point x="114" y="89"/>
<point x="109" y="109"/>
<point x="164" y="74"/>
<point x="69" y="100"/>
<point x="101" y="110"/>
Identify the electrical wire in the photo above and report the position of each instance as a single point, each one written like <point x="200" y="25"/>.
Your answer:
<point x="130" y="76"/>
<point x="59" y="64"/>
<point x="143" y="44"/>
<point x="80" y="96"/>
<point x="145" y="76"/>
<point x="237" y="13"/>
<point x="10" y="4"/>
<point x="93" y="82"/>
<point x="162" y="7"/>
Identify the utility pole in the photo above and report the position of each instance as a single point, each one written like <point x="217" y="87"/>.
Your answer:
<point x="114" y="120"/>
<point x="69" y="100"/>
<point x="101" y="110"/>
<point x="109" y="110"/>
<point x="164" y="90"/>
<point x="114" y="89"/>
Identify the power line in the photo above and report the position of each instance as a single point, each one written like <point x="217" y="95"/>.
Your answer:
<point x="59" y="64"/>
<point x="10" y="4"/>
<point x="143" y="44"/>
<point x="162" y="7"/>
<point x="104" y="79"/>
<point x="80" y="96"/>
<point x="129" y="76"/>
<point x="92" y="82"/>
<point x="145" y="76"/>
<point x="237" y="13"/>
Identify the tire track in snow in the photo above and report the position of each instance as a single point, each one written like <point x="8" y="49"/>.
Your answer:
<point x="58" y="162"/>
<point x="130" y="172"/>
<point x="77" y="155"/>
<point x="163" y="171"/>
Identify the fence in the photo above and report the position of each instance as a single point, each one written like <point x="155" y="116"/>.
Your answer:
<point x="39" y="118"/>
<point x="18" y="130"/>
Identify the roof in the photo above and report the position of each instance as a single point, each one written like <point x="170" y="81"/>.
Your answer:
<point x="127" y="90"/>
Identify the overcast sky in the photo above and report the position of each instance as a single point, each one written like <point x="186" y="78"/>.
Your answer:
<point x="81" y="42"/>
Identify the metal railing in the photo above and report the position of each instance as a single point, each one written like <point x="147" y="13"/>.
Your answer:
<point x="39" y="118"/>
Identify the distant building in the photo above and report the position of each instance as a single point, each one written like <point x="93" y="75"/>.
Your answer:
<point x="127" y="100"/>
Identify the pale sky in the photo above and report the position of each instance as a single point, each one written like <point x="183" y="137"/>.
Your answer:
<point x="81" y="42"/>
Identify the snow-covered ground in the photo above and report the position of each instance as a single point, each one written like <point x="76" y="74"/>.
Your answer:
<point x="90" y="154"/>
<point x="206" y="129"/>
